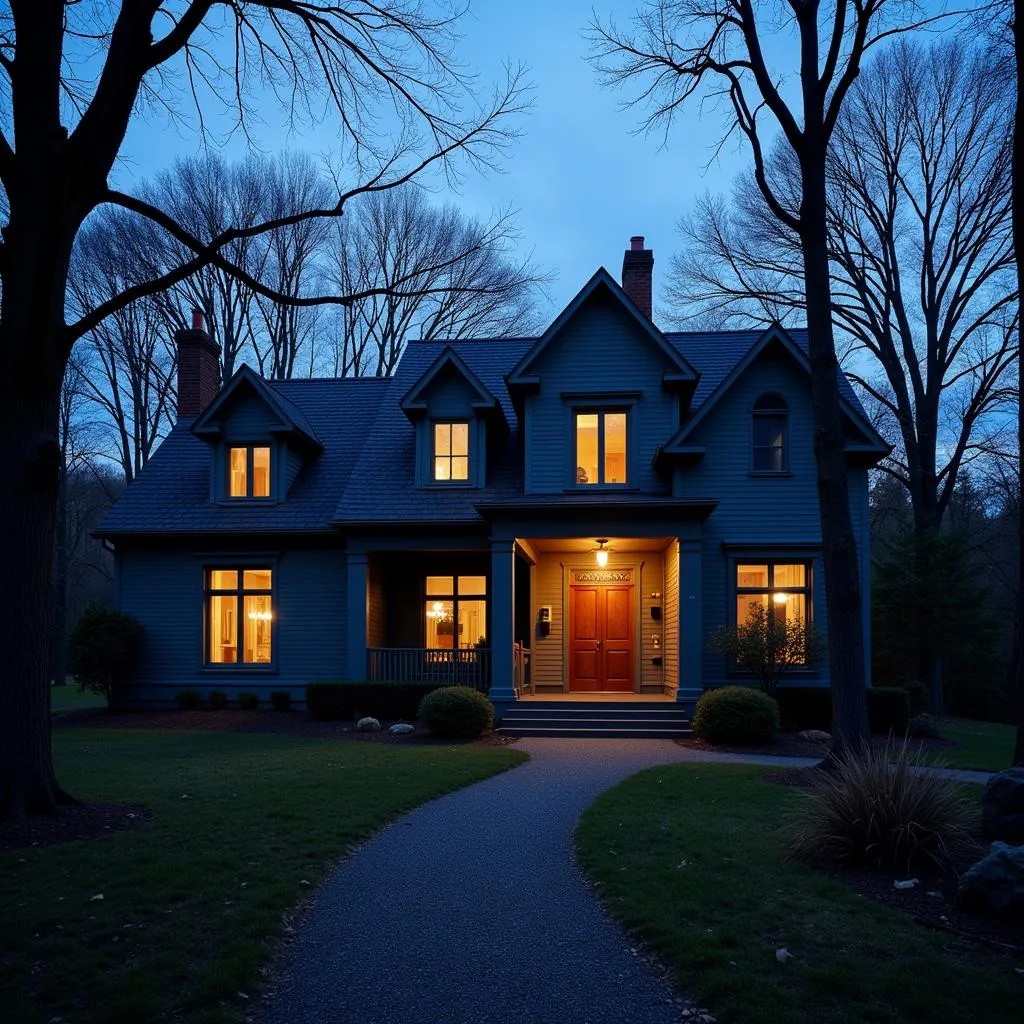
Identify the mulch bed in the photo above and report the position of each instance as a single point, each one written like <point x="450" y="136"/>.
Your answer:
<point x="75" y="821"/>
<point x="789" y="744"/>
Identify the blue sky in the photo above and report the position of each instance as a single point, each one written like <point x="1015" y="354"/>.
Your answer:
<point x="581" y="180"/>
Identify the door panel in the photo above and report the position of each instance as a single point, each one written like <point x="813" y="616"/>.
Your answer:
<point x="601" y="638"/>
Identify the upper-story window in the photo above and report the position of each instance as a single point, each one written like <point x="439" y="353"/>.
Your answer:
<point x="248" y="471"/>
<point x="451" y="452"/>
<point x="601" y="447"/>
<point x="770" y="420"/>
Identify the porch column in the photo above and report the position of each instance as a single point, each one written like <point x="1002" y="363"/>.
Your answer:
<point x="355" y="604"/>
<point x="502" y="620"/>
<point x="691" y="638"/>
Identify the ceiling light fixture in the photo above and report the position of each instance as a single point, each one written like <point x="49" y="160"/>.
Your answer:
<point x="601" y="554"/>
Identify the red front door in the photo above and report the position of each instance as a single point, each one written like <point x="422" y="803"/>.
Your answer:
<point x="601" y="638"/>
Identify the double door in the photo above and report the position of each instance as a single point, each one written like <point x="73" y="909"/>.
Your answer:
<point x="601" y="638"/>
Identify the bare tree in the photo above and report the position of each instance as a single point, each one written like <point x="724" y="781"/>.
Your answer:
<point x="436" y="274"/>
<point x="680" y="48"/>
<point x="72" y="76"/>
<point x="921" y="261"/>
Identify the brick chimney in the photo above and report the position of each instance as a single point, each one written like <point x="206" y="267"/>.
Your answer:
<point x="637" y="271"/>
<point x="198" y="368"/>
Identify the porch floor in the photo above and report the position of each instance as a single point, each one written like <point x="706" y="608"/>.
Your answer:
<point x="599" y="696"/>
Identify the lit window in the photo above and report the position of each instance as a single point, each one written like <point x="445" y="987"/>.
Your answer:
<point x="239" y="616"/>
<point x="782" y="589"/>
<point x="451" y="451"/>
<point x="249" y="471"/>
<point x="456" y="611"/>
<point x="770" y="415"/>
<point x="601" y="448"/>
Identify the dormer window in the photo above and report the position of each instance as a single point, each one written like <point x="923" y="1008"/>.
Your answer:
<point x="249" y="471"/>
<point x="601" y="446"/>
<point x="770" y="418"/>
<point x="451" y="452"/>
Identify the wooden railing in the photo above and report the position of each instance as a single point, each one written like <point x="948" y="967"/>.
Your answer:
<point x="469" y="666"/>
<point x="521" y="669"/>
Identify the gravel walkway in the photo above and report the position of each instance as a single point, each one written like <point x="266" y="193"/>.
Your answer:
<point x="470" y="910"/>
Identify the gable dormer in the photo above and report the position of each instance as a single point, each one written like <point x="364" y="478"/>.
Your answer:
<point x="258" y="440"/>
<point x="451" y="410"/>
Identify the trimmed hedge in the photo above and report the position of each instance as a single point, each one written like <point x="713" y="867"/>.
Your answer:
<point x="328" y="700"/>
<point x="281" y="700"/>
<point x="735" y="714"/>
<point x="810" y="707"/>
<point x="248" y="701"/>
<point x="456" y="713"/>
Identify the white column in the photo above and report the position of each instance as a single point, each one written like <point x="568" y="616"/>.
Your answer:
<point x="502" y="620"/>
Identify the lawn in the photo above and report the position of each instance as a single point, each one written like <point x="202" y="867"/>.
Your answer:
<point x="985" y="746"/>
<point x="243" y="829"/>
<point x="70" y="698"/>
<point x="691" y="860"/>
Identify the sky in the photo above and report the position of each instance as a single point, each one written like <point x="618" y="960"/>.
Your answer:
<point x="582" y="182"/>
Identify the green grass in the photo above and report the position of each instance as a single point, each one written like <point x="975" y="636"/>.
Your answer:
<point x="244" y="827"/>
<point x="691" y="860"/>
<point x="984" y="746"/>
<point x="68" y="698"/>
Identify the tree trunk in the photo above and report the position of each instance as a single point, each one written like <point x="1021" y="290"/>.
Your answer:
<point x="58" y="643"/>
<point x="842" y="568"/>
<point x="1018" y="241"/>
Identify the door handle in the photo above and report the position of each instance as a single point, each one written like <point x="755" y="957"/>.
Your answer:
<point x="598" y="642"/>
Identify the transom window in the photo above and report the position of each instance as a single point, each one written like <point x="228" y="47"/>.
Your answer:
<point x="783" y="589"/>
<point x="249" y="471"/>
<point x="601" y="448"/>
<point x="456" y="611"/>
<point x="770" y="416"/>
<point x="451" y="451"/>
<point x="239" y="616"/>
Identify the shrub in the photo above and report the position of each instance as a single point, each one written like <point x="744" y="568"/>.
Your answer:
<point x="923" y="727"/>
<point x="888" y="710"/>
<point x="281" y="700"/>
<point x="456" y="712"/>
<point x="808" y="707"/>
<point x="329" y="700"/>
<point x="248" y="701"/>
<point x="188" y="700"/>
<point x="103" y="647"/>
<point x="735" y="714"/>
<point x="878" y="808"/>
<point x="218" y="700"/>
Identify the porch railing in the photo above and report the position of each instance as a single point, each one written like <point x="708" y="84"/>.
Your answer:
<point x="521" y="669"/>
<point x="469" y="666"/>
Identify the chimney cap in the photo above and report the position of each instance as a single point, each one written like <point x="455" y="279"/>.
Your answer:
<point x="197" y="319"/>
<point x="636" y="243"/>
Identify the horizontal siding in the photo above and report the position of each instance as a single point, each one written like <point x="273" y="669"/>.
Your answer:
<point x="671" y="614"/>
<point x="247" y="418"/>
<point x="450" y="394"/>
<point x="164" y="591"/>
<point x="601" y="349"/>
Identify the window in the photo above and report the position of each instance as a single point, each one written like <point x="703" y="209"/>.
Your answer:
<point x="770" y="415"/>
<point x="451" y="452"/>
<point x="239" y="616"/>
<point x="783" y="589"/>
<point x="248" y="471"/>
<point x="601" y="448"/>
<point x="456" y="611"/>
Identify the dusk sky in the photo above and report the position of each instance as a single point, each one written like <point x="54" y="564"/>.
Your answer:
<point x="581" y="180"/>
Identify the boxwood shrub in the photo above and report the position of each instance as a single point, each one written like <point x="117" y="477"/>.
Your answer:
<point x="218" y="700"/>
<point x="281" y="700"/>
<point x="456" y="712"/>
<point x="188" y="700"/>
<point x="248" y="701"/>
<point x="735" y="714"/>
<point x="328" y="700"/>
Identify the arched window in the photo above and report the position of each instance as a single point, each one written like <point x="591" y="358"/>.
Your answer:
<point x="770" y="417"/>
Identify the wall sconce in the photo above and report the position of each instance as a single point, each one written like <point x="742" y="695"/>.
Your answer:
<point x="601" y="554"/>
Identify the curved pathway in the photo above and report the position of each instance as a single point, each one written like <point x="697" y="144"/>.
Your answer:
<point x="470" y="909"/>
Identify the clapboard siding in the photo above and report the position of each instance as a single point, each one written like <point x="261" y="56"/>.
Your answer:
<point x="247" y="418"/>
<point x="671" y="615"/>
<point x="376" y="608"/>
<point x="601" y="350"/>
<point x="164" y="590"/>
<point x="450" y="394"/>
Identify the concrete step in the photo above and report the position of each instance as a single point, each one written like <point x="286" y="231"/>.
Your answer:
<point x="605" y="719"/>
<point x="608" y="733"/>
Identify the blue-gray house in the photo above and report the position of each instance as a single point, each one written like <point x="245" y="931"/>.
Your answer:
<point x="567" y="514"/>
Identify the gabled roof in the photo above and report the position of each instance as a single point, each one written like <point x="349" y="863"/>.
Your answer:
<point x="681" y="371"/>
<point x="292" y="419"/>
<point x="794" y="344"/>
<point x="413" y="403"/>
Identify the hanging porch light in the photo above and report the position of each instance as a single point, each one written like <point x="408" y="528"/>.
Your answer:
<point x="601" y="554"/>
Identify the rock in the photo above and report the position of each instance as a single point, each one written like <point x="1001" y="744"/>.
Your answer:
<point x="907" y="884"/>
<point x="1002" y="806"/>
<point x="816" y="736"/>
<point x="996" y="883"/>
<point x="401" y="728"/>
<point x="368" y="725"/>
<point x="782" y="955"/>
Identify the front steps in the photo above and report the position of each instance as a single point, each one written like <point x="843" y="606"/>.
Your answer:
<point x="597" y="720"/>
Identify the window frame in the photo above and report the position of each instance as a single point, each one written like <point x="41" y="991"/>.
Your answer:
<point x="433" y="456"/>
<point x="601" y="410"/>
<point x="240" y="591"/>
<point x="455" y="597"/>
<point x="250" y="448"/>
<point x="769" y="406"/>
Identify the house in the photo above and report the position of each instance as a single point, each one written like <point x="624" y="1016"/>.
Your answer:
<point x="570" y="514"/>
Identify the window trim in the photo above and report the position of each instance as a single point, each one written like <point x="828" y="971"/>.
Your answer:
<point x="432" y="480"/>
<point x="601" y="408"/>
<point x="231" y="564"/>
<point x="455" y="598"/>
<point x="250" y="447"/>
<point x="761" y="410"/>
